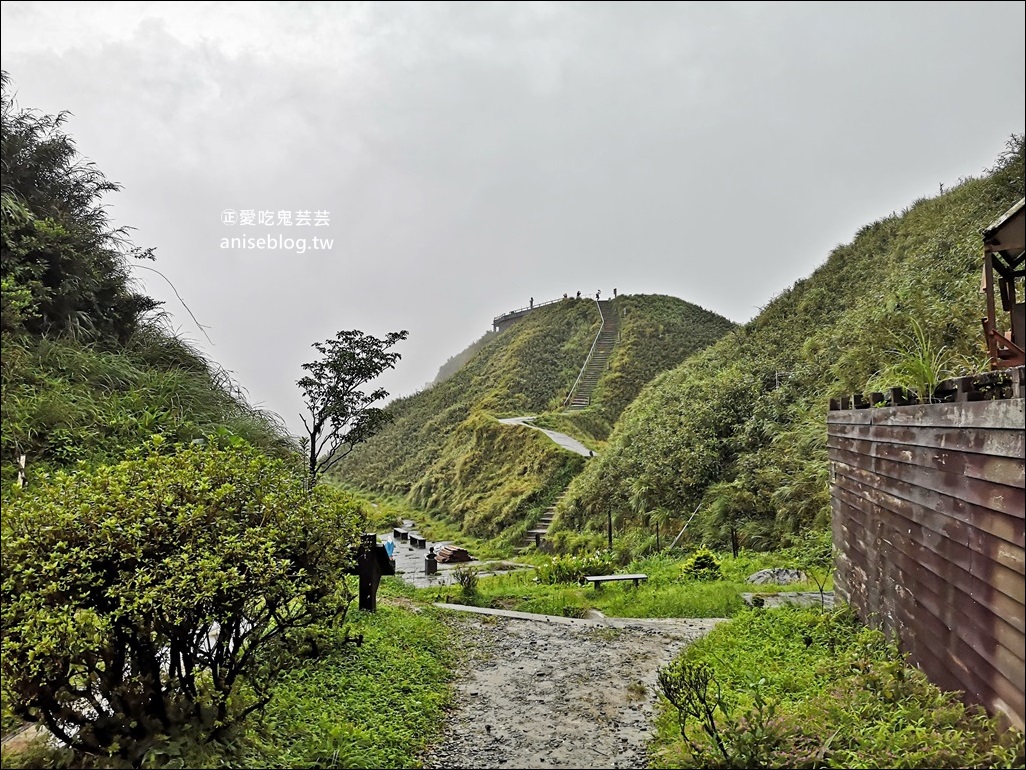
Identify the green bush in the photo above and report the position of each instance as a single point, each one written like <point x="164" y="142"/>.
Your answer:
<point x="160" y="597"/>
<point x="701" y="565"/>
<point x="573" y="569"/>
<point x="467" y="578"/>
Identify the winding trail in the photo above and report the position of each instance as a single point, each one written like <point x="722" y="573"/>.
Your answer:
<point x="565" y="441"/>
<point x="541" y="691"/>
<point x="544" y="691"/>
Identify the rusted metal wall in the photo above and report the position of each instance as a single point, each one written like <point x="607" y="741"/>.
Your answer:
<point x="928" y="517"/>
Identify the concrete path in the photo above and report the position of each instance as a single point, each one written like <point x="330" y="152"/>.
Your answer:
<point x="410" y="562"/>
<point x="598" y="621"/>
<point x="565" y="441"/>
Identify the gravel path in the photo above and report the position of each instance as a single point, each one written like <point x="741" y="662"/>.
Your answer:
<point x="557" y="693"/>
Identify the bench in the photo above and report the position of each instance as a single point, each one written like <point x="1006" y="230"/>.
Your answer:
<point x="400" y="535"/>
<point x="417" y="541"/>
<point x="598" y="580"/>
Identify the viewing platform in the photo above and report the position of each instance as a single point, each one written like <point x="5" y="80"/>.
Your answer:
<point x="504" y="321"/>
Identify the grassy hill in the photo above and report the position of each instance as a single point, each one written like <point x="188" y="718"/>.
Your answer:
<point x="656" y="333"/>
<point x="456" y="362"/>
<point x="737" y="432"/>
<point x="446" y="452"/>
<point x="89" y="368"/>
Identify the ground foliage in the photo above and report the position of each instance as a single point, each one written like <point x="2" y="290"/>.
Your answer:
<point x="802" y="688"/>
<point x="161" y="596"/>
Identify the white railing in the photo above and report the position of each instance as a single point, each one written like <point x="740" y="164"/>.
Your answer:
<point x="602" y="325"/>
<point x="535" y="306"/>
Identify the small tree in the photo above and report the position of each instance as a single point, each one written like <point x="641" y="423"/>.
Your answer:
<point x="158" y="598"/>
<point x="340" y="415"/>
<point x="814" y="555"/>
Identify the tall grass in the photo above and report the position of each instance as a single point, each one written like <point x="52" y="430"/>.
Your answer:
<point x="799" y="688"/>
<point x="919" y="364"/>
<point x="64" y="401"/>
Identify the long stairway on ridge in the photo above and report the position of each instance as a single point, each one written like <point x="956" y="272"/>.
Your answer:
<point x="597" y="362"/>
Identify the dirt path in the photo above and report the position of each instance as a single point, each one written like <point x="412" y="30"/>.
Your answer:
<point x="558" y="693"/>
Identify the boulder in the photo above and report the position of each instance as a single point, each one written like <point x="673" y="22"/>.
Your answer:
<point x="778" y="577"/>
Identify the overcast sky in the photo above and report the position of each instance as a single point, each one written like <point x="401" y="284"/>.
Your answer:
<point x="466" y="157"/>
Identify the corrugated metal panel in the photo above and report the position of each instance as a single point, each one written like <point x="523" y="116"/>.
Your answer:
<point x="928" y="519"/>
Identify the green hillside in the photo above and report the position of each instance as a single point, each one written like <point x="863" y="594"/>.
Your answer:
<point x="656" y="333"/>
<point x="447" y="452"/>
<point x="456" y="362"/>
<point x="89" y="367"/>
<point x="738" y="433"/>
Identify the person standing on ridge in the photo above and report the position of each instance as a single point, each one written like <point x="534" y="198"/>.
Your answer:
<point x="598" y="294"/>
<point x="532" y="303"/>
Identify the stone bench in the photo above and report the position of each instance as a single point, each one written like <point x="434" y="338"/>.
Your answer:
<point x="598" y="580"/>
<point x="400" y="535"/>
<point x="417" y="541"/>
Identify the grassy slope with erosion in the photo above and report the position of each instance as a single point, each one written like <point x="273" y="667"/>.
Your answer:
<point x="738" y="430"/>
<point x="446" y="452"/>
<point x="657" y="332"/>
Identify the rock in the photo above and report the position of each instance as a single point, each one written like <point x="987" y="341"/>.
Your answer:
<point x="779" y="576"/>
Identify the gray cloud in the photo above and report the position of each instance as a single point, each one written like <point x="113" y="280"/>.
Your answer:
<point x="475" y="155"/>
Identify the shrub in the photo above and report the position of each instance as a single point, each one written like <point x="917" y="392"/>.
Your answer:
<point x="160" y="597"/>
<point x="467" y="579"/>
<point x="702" y="565"/>
<point x="573" y="569"/>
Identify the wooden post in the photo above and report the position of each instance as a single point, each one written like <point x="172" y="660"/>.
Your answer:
<point x="990" y="326"/>
<point x="369" y="572"/>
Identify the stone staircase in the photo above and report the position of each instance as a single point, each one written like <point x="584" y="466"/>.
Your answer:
<point x="536" y="536"/>
<point x="598" y="361"/>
